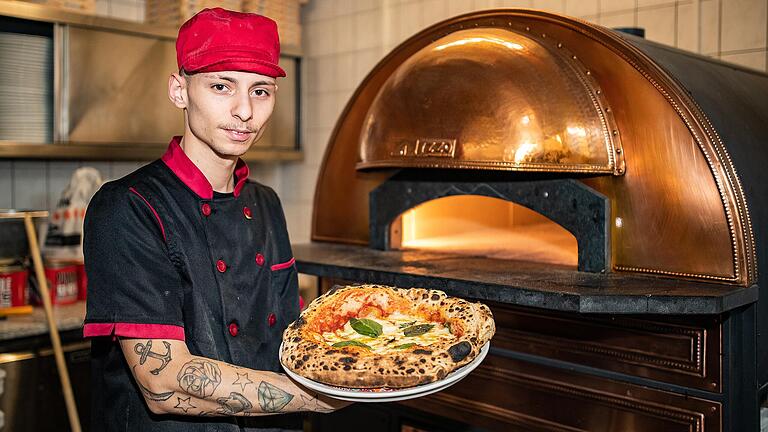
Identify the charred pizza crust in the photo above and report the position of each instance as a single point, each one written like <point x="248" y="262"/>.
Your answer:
<point x="307" y="353"/>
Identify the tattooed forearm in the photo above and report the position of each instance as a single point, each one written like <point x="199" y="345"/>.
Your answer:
<point x="173" y="381"/>
<point x="157" y="397"/>
<point x="234" y="404"/>
<point x="199" y="377"/>
<point x="271" y="398"/>
<point x="145" y="350"/>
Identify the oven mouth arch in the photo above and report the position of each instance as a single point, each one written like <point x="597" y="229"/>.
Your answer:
<point x="577" y="208"/>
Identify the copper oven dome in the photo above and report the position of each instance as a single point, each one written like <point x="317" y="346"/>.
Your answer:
<point x="491" y="98"/>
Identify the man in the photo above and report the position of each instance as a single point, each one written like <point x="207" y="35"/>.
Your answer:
<point x="191" y="275"/>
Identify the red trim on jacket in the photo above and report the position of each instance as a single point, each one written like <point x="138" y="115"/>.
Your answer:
<point x="132" y="330"/>
<point x="283" y="265"/>
<point x="159" y="222"/>
<point x="190" y="174"/>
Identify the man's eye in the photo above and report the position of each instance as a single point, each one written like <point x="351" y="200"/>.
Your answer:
<point x="219" y="87"/>
<point x="260" y="92"/>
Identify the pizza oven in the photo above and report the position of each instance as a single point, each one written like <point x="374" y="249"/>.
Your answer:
<point x="605" y="195"/>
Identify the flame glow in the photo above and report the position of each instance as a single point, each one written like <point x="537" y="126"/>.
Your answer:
<point x="576" y="130"/>
<point x="523" y="151"/>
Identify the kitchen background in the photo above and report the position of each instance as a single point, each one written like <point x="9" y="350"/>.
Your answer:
<point x="343" y="40"/>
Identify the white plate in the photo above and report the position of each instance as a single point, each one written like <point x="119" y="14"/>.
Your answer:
<point x="363" y="395"/>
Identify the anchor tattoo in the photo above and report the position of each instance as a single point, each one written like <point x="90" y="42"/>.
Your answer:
<point x="145" y="350"/>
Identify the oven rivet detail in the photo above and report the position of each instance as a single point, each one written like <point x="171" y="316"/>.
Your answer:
<point x="618" y="151"/>
<point x="543" y="35"/>
<point x="599" y="92"/>
<point x="607" y="110"/>
<point x="546" y="194"/>
<point x="615" y="132"/>
<point x="527" y="29"/>
<point x="560" y="45"/>
<point x="619" y="222"/>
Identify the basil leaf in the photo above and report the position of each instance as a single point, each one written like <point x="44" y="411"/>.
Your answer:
<point x="408" y="324"/>
<point x="417" y="330"/>
<point x="404" y="346"/>
<point x="350" y="343"/>
<point x="366" y="327"/>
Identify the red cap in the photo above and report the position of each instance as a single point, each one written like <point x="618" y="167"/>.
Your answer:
<point x="217" y="40"/>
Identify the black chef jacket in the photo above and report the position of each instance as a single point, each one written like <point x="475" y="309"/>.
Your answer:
<point x="167" y="257"/>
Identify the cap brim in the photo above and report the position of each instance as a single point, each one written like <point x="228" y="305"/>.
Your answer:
<point x="239" y="64"/>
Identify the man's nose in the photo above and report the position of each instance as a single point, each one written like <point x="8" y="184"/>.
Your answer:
<point x="242" y="109"/>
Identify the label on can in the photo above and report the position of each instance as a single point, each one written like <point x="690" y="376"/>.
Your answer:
<point x="62" y="283"/>
<point x="14" y="289"/>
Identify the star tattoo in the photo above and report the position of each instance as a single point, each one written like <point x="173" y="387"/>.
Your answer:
<point x="242" y="380"/>
<point x="309" y="403"/>
<point x="184" y="404"/>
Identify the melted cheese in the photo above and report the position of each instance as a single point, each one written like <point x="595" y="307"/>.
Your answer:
<point x="392" y="335"/>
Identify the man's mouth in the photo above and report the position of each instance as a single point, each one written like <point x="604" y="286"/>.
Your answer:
<point x="238" y="134"/>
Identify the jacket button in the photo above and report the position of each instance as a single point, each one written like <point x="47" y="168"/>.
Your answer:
<point x="271" y="319"/>
<point x="205" y="209"/>
<point x="221" y="266"/>
<point x="233" y="328"/>
<point x="259" y="259"/>
<point x="247" y="213"/>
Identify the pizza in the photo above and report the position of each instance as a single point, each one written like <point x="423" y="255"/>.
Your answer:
<point x="372" y="336"/>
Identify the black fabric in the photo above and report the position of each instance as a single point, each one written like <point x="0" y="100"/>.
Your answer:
<point x="137" y="276"/>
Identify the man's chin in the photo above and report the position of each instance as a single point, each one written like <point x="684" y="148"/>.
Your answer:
<point x="231" y="149"/>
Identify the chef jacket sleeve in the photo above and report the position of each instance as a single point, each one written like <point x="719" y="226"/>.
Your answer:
<point x="134" y="289"/>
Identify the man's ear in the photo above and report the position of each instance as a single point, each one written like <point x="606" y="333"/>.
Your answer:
<point x="177" y="90"/>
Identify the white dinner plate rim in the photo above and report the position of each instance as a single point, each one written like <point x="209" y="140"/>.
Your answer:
<point x="394" y="395"/>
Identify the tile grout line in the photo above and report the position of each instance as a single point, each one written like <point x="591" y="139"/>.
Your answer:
<point x="677" y="19"/>
<point x="719" y="27"/>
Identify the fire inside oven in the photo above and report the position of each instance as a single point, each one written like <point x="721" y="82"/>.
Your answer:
<point x="483" y="226"/>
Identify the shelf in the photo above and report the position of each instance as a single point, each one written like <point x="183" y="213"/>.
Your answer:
<point x="44" y="13"/>
<point x="546" y="286"/>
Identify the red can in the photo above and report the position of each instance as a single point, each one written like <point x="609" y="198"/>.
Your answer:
<point x="62" y="282"/>
<point x="82" y="282"/>
<point x="14" y="290"/>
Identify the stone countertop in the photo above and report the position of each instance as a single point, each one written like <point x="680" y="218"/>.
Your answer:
<point x="546" y="286"/>
<point x="68" y="317"/>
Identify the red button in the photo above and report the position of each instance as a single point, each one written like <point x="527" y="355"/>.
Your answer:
<point x="271" y="319"/>
<point x="233" y="329"/>
<point x="206" y="209"/>
<point x="221" y="266"/>
<point x="259" y="259"/>
<point x="247" y="213"/>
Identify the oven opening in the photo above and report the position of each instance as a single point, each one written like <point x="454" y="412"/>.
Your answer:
<point x="484" y="226"/>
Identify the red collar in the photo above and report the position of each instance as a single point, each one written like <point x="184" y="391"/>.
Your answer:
<point x="190" y="174"/>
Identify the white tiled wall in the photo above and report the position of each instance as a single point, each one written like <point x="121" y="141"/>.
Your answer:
<point x="131" y="10"/>
<point x="345" y="38"/>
